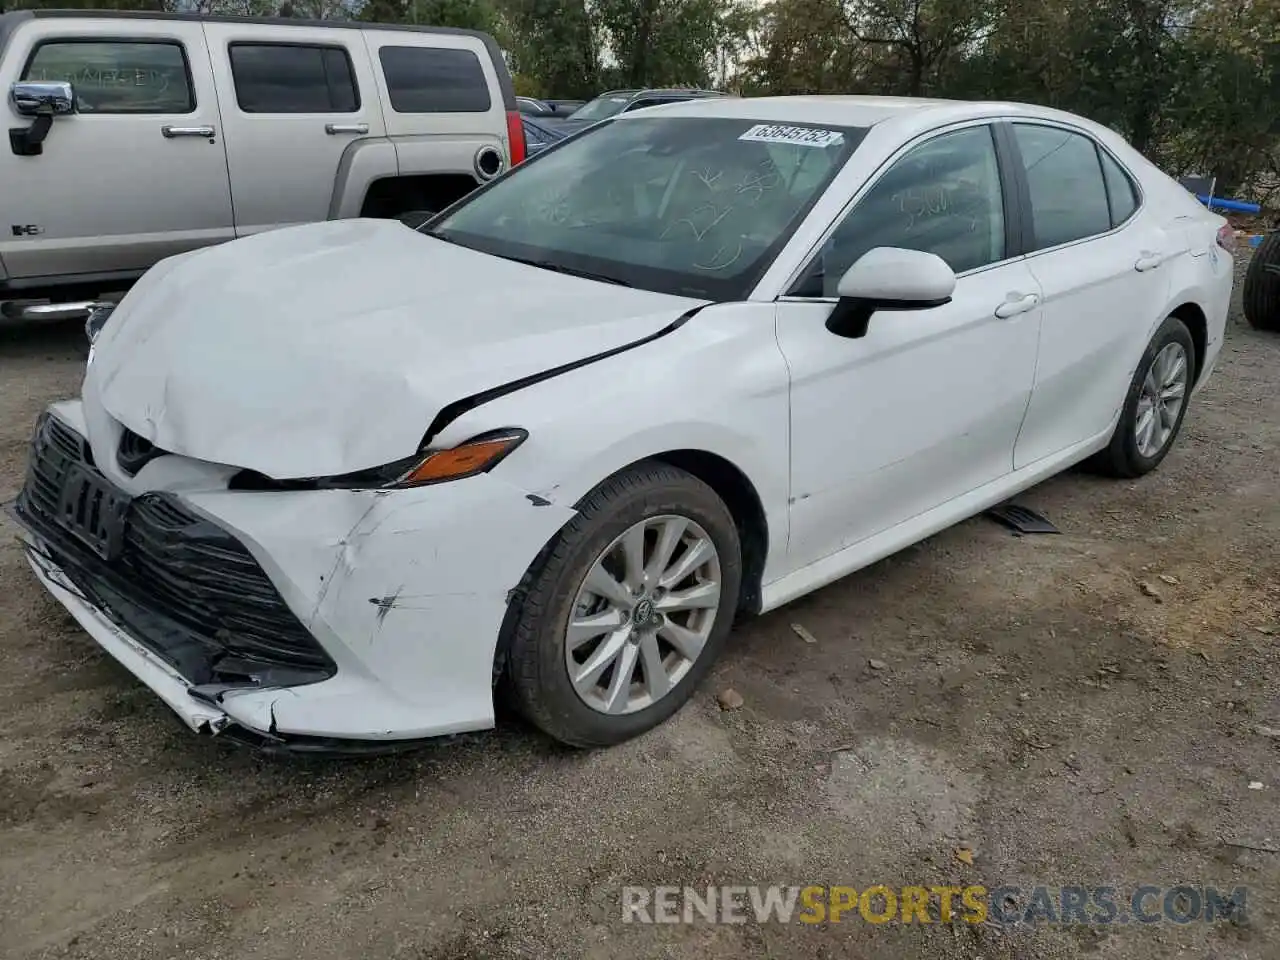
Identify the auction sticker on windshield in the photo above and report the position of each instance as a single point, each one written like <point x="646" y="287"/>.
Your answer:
<point x="804" y="136"/>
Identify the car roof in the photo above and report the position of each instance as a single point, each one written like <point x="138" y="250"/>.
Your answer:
<point x="854" y="111"/>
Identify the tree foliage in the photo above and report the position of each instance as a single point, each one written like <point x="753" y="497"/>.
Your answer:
<point x="1193" y="83"/>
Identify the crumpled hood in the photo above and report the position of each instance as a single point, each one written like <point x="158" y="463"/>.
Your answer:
<point x="329" y="348"/>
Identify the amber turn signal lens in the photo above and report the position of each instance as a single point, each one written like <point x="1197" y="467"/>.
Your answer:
<point x="462" y="461"/>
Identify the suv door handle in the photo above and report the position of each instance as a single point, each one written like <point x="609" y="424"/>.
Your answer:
<point x="1148" y="261"/>
<point x="1017" y="304"/>
<point x="171" y="132"/>
<point x="335" y="128"/>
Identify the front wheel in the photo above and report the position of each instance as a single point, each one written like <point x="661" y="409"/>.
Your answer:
<point x="1154" y="406"/>
<point x="625" y="611"/>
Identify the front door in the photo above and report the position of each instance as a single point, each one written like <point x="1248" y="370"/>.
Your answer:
<point x="137" y="174"/>
<point x="926" y="405"/>
<point x="297" y="99"/>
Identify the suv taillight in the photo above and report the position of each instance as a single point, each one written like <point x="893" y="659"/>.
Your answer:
<point x="515" y="135"/>
<point x="1227" y="238"/>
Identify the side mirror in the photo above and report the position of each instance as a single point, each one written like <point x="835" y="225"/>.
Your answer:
<point x="889" y="278"/>
<point x="31" y="98"/>
<point x="42" y="101"/>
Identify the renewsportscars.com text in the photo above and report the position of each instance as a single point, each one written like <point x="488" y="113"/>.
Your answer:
<point x="877" y="904"/>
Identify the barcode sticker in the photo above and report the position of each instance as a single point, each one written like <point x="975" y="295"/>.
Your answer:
<point x="802" y="136"/>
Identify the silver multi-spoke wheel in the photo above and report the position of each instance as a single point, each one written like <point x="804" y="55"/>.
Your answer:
<point x="643" y="614"/>
<point x="1164" y="390"/>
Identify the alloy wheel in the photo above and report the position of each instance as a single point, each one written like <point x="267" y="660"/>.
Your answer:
<point x="643" y="614"/>
<point x="1164" y="390"/>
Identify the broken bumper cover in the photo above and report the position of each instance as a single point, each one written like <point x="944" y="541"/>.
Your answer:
<point x="163" y="679"/>
<point x="399" y="597"/>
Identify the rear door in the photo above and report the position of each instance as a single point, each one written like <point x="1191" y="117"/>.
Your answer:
<point x="137" y="174"/>
<point x="295" y="99"/>
<point x="1102" y="261"/>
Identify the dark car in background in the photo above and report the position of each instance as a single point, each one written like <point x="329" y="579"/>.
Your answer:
<point x="615" y="102"/>
<point x="534" y="107"/>
<point x="538" y="134"/>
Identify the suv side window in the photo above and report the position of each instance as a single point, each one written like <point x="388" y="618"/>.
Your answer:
<point x="117" y="76"/>
<point x="434" y="80"/>
<point x="1120" y="190"/>
<point x="293" y="78"/>
<point x="1068" y="195"/>
<point x="942" y="197"/>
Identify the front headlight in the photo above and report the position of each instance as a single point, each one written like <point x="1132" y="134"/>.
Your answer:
<point x="478" y="455"/>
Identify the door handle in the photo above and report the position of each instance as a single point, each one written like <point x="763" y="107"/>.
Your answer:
<point x="1148" y="261"/>
<point x="171" y="132"/>
<point x="1017" y="304"/>
<point x="333" y="129"/>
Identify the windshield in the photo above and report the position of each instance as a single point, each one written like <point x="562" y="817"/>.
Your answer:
<point x="601" y="108"/>
<point x="694" y="206"/>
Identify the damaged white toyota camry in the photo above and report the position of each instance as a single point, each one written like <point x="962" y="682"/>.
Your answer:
<point x="335" y="486"/>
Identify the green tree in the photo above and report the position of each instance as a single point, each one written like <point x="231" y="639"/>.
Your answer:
<point x="554" y="44"/>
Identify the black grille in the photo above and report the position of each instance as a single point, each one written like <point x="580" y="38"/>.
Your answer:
<point x="177" y="582"/>
<point x="55" y="448"/>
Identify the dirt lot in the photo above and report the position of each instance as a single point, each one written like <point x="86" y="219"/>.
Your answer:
<point x="1030" y="699"/>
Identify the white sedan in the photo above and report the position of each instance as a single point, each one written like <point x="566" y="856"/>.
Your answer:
<point x="338" y="486"/>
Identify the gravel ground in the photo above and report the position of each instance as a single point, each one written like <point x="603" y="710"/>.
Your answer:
<point x="1075" y="709"/>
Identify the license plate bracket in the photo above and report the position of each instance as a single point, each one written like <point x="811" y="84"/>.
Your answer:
<point x="93" y="511"/>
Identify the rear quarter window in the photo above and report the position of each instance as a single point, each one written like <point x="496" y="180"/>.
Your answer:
<point x="434" y="80"/>
<point x="1121" y="193"/>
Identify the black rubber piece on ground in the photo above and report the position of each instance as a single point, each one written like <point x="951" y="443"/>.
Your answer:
<point x="535" y="679"/>
<point x="1261" y="294"/>
<point x="1021" y="519"/>
<point x="1121" y="457"/>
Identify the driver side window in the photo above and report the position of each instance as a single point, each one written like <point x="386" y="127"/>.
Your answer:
<point x="942" y="197"/>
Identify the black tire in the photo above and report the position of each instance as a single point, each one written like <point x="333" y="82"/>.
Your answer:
<point x="535" y="680"/>
<point x="1121" y="458"/>
<point x="1261" y="294"/>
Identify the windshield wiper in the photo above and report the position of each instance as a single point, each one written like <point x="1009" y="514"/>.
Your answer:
<point x="571" y="271"/>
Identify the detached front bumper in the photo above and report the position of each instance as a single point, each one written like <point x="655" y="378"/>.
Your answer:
<point x="340" y="621"/>
<point x="163" y="679"/>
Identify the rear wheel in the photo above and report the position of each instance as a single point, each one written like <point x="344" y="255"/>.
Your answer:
<point x="1261" y="294"/>
<point x="626" y="610"/>
<point x="1154" y="406"/>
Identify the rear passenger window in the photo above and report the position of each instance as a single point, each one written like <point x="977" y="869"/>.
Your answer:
<point x="117" y="76"/>
<point x="434" y="80"/>
<point x="1068" y="197"/>
<point x="1120" y="191"/>
<point x="293" y="78"/>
